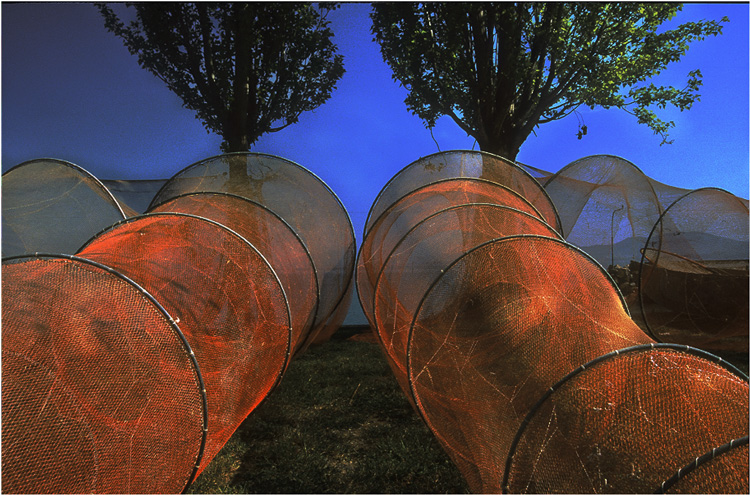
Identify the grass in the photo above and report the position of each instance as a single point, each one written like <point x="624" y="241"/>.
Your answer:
<point x="337" y="423"/>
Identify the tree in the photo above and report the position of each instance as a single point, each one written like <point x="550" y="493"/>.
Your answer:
<point x="245" y="68"/>
<point x="501" y="69"/>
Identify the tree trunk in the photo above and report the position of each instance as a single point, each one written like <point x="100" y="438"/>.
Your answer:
<point x="503" y="147"/>
<point x="237" y="122"/>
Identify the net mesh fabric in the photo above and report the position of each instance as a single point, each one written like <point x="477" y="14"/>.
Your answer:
<point x="225" y="297"/>
<point x="694" y="278"/>
<point x="100" y="394"/>
<point x="53" y="206"/>
<point x="486" y="343"/>
<point x="604" y="200"/>
<point x="422" y="254"/>
<point x="465" y="164"/>
<point x="401" y="216"/>
<point x="582" y="438"/>
<point x="272" y="237"/>
<point x="295" y="194"/>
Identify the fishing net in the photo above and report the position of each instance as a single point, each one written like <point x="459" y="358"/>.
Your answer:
<point x="250" y="278"/>
<point x="518" y="350"/>
<point x="715" y="471"/>
<point x="226" y="298"/>
<point x="495" y="321"/>
<point x="53" y="206"/>
<point x="272" y="237"/>
<point x="304" y="201"/>
<point x="451" y="164"/>
<point x="101" y="392"/>
<point x="607" y="207"/>
<point x="694" y="275"/>
<point x="415" y="206"/>
<point x="422" y="254"/>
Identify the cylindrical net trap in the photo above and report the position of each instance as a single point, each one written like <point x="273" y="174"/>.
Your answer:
<point x="491" y="325"/>
<point x="241" y="282"/>
<point x="226" y="297"/>
<point x="101" y="392"/>
<point x="497" y="329"/>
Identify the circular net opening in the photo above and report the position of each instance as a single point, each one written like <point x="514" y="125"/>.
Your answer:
<point x="464" y="164"/>
<point x="100" y="391"/>
<point x="694" y="276"/>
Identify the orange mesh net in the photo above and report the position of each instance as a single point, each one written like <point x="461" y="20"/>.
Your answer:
<point x="272" y="237"/>
<point x="581" y="435"/>
<point x="304" y="201"/>
<point x="481" y="309"/>
<point x="225" y="297"/>
<point x="694" y="276"/>
<point x="391" y="225"/>
<point x="511" y="303"/>
<point x="419" y="258"/>
<point x="101" y="393"/>
<point x="518" y="350"/>
<point x="712" y="472"/>
<point x="53" y="206"/>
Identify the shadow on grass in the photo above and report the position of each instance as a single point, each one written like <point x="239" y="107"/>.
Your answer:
<point x="337" y="423"/>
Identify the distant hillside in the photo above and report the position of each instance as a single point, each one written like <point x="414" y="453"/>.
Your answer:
<point x="708" y="247"/>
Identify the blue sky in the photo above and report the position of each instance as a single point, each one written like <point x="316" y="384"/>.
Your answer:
<point x="71" y="90"/>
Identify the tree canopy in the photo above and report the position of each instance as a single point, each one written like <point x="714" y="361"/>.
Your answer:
<point x="501" y="69"/>
<point x="245" y="68"/>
